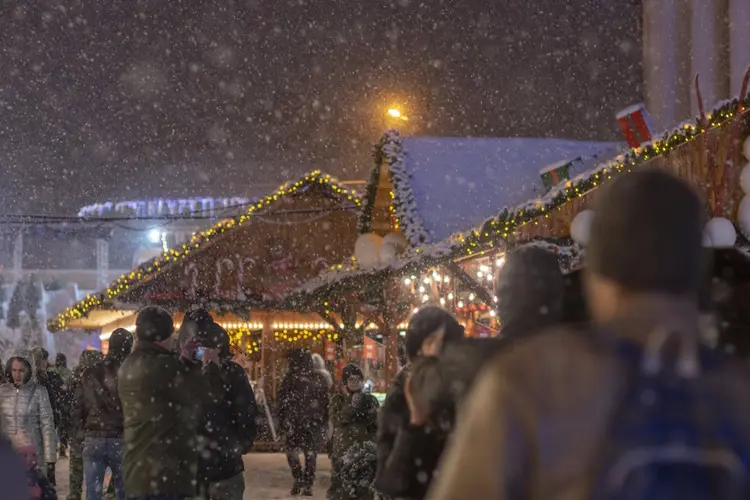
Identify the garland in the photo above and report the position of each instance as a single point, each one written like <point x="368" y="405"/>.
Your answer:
<point x="148" y="269"/>
<point x="404" y="204"/>
<point x="364" y="221"/>
<point x="502" y="226"/>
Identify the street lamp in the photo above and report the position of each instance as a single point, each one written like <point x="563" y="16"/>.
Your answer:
<point x="395" y="113"/>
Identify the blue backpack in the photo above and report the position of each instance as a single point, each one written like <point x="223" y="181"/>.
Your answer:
<point x="670" y="438"/>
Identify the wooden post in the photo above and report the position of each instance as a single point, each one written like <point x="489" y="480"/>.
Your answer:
<point x="267" y="350"/>
<point x="390" y="334"/>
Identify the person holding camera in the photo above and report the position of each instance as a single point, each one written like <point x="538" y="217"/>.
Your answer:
<point x="162" y="394"/>
<point x="227" y="427"/>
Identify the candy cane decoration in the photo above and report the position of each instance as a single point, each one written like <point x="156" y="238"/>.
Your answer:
<point x="223" y="263"/>
<point x="707" y="143"/>
<point x="736" y="126"/>
<point x="191" y="270"/>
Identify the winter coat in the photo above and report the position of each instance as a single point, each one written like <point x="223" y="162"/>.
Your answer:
<point x="228" y="427"/>
<point x="65" y="374"/>
<point x="88" y="358"/>
<point x="535" y="421"/>
<point x="162" y="396"/>
<point x="393" y="416"/>
<point x="96" y="410"/>
<point x="55" y="390"/>
<point x="303" y="409"/>
<point x="11" y="472"/>
<point x="27" y="409"/>
<point x="353" y="424"/>
<point x="408" y="468"/>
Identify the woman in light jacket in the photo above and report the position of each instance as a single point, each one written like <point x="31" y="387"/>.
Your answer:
<point x="25" y="408"/>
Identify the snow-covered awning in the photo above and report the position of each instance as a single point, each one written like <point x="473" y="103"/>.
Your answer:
<point x="443" y="186"/>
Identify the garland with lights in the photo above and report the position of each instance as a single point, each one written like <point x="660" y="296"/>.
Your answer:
<point x="364" y="221"/>
<point x="148" y="269"/>
<point x="242" y="338"/>
<point x="302" y="334"/>
<point x="403" y="206"/>
<point x="501" y="227"/>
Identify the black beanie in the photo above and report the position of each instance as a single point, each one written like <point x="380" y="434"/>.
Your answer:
<point x="120" y="343"/>
<point x="646" y="234"/>
<point x="530" y="289"/>
<point x="351" y="370"/>
<point x="153" y="324"/>
<point x="427" y="321"/>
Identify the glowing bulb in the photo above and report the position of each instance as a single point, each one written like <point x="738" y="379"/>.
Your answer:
<point x="426" y="280"/>
<point x="450" y="296"/>
<point x="492" y="313"/>
<point x="460" y="303"/>
<point x="442" y="301"/>
<point x="407" y="281"/>
<point x="394" y="113"/>
<point x="479" y="274"/>
<point x="421" y="289"/>
<point x="500" y="262"/>
<point x="154" y="236"/>
<point x="471" y="296"/>
<point x="484" y="268"/>
<point x="425" y="298"/>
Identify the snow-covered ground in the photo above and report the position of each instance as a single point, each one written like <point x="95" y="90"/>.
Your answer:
<point x="266" y="477"/>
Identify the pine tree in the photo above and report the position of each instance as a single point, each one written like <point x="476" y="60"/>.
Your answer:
<point x="33" y="301"/>
<point x="16" y="306"/>
<point x="3" y="296"/>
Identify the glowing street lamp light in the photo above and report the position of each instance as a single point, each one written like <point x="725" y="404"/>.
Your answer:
<point x="395" y="113"/>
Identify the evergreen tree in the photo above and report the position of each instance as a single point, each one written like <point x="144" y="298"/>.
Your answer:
<point x="16" y="306"/>
<point x="3" y="296"/>
<point x="33" y="301"/>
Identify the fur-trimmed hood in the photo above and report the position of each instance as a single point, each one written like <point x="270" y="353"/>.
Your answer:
<point x="25" y="356"/>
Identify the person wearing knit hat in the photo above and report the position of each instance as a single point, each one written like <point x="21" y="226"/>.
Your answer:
<point x="429" y="331"/>
<point x="354" y="416"/>
<point x="560" y="397"/>
<point x="162" y="394"/>
<point x="530" y="291"/>
<point x="154" y="324"/>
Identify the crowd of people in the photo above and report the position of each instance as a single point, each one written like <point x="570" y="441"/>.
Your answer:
<point x="627" y="402"/>
<point x="170" y="416"/>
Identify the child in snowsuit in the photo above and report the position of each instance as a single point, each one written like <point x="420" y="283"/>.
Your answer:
<point x="354" y="415"/>
<point x="40" y="487"/>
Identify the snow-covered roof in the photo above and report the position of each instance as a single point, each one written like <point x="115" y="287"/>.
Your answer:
<point x="447" y="185"/>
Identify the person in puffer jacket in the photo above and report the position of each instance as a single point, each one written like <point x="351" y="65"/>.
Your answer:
<point x="25" y="408"/>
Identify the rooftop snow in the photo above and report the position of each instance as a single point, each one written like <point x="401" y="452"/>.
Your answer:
<point x="457" y="183"/>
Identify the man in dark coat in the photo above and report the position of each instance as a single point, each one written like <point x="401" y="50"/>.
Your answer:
<point x="97" y="409"/>
<point x="227" y="428"/>
<point x="303" y="417"/>
<point x="162" y="394"/>
<point x="55" y="388"/>
<point x="75" y="468"/>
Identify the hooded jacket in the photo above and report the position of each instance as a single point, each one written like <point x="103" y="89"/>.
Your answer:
<point x="227" y="428"/>
<point x="303" y="403"/>
<point x="27" y="409"/>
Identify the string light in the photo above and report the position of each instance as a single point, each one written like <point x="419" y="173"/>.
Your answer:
<point x="145" y="270"/>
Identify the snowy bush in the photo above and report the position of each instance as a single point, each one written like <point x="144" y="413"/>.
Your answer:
<point x="358" y="469"/>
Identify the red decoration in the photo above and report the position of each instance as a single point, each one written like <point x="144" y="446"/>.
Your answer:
<point x="635" y="124"/>
<point x="370" y="349"/>
<point x="330" y="350"/>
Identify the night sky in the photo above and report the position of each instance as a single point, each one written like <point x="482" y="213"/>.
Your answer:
<point x="123" y="99"/>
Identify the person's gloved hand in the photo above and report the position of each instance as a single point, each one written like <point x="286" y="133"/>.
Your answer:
<point x="51" y="473"/>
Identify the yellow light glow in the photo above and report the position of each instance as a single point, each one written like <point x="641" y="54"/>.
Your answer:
<point x="394" y="113"/>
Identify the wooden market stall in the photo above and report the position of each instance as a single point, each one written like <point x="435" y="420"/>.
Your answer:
<point x="240" y="270"/>
<point x="424" y="193"/>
